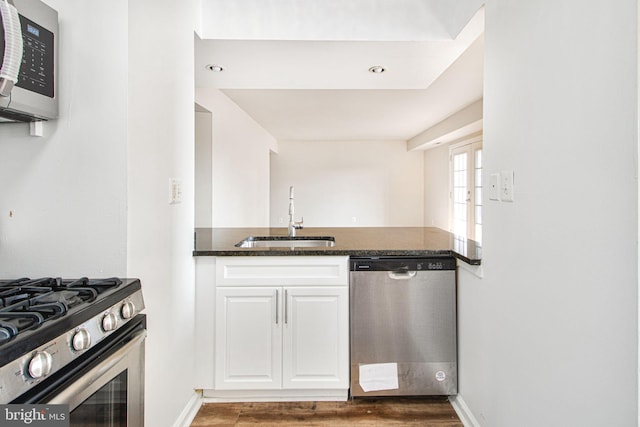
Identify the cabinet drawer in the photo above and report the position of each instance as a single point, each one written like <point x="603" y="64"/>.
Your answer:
<point x="293" y="270"/>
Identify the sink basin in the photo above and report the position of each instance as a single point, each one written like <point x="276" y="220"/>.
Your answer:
<point x="287" y="242"/>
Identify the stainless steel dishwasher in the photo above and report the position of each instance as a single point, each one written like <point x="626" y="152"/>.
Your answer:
<point x="403" y="326"/>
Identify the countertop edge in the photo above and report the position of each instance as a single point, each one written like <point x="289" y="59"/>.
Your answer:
<point x="351" y="253"/>
<point x="369" y="242"/>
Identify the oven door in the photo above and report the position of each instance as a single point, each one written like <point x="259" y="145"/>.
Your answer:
<point x="107" y="389"/>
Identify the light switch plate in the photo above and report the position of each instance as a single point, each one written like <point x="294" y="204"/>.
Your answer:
<point x="506" y="186"/>
<point x="494" y="185"/>
<point x="175" y="191"/>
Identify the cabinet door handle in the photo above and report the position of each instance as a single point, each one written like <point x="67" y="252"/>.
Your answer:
<point x="286" y="306"/>
<point x="277" y="299"/>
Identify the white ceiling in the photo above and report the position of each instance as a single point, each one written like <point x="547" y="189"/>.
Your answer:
<point x="322" y="90"/>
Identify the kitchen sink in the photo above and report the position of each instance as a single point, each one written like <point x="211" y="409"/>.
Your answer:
<point x="287" y="242"/>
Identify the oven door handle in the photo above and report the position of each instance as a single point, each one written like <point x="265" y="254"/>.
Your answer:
<point x="69" y="394"/>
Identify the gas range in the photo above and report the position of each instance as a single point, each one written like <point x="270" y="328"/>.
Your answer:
<point x="49" y="325"/>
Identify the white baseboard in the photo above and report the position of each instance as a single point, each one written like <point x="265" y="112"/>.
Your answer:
<point x="190" y="410"/>
<point x="464" y="412"/>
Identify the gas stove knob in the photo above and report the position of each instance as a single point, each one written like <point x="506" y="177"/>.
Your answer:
<point x="81" y="340"/>
<point x="109" y="322"/>
<point x="40" y="365"/>
<point x="127" y="310"/>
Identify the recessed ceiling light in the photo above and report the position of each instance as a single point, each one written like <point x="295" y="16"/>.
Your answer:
<point x="377" y="69"/>
<point x="215" y="68"/>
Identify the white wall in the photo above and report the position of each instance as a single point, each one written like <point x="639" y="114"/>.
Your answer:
<point x="67" y="190"/>
<point x="160" y="236"/>
<point x="436" y="187"/>
<point x="549" y="336"/>
<point x="81" y="209"/>
<point x="203" y="168"/>
<point x="240" y="163"/>
<point x="377" y="182"/>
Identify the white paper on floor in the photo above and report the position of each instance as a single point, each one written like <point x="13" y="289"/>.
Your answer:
<point x="379" y="376"/>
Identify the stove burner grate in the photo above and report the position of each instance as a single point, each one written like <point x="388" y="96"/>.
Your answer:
<point x="27" y="303"/>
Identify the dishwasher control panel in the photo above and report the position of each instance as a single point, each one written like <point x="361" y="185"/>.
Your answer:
<point x="402" y="264"/>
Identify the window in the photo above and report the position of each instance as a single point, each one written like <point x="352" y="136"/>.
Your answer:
<point x="466" y="190"/>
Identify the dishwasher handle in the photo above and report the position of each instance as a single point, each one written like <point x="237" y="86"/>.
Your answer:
<point x="402" y="274"/>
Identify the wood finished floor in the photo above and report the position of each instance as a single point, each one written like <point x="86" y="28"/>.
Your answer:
<point x="358" y="412"/>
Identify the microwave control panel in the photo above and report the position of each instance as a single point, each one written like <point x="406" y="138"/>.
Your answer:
<point x="36" y="71"/>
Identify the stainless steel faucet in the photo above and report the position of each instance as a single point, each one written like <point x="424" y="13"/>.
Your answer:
<point x="293" y="225"/>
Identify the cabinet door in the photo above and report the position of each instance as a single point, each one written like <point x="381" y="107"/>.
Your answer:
<point x="248" y="338"/>
<point x="316" y="337"/>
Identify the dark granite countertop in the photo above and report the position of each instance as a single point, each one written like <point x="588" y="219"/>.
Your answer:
<point x="352" y="241"/>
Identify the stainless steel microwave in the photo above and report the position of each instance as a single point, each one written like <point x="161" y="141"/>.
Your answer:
<point x="28" y="61"/>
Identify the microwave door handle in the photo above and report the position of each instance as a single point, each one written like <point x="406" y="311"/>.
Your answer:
<point x="13" y="47"/>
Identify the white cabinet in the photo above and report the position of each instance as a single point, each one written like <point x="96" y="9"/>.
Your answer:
<point x="248" y="338"/>
<point x="282" y="323"/>
<point x="316" y="337"/>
